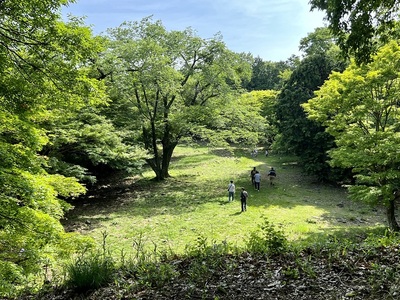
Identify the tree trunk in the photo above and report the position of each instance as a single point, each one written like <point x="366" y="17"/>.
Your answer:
<point x="168" y="150"/>
<point x="391" y="216"/>
<point x="150" y="143"/>
<point x="161" y="159"/>
<point x="160" y="163"/>
<point x="162" y="169"/>
<point x="156" y="168"/>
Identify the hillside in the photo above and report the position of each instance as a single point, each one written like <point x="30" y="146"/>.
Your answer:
<point x="318" y="244"/>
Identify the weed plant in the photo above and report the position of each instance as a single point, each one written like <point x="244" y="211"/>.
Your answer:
<point x="91" y="270"/>
<point x="149" y="268"/>
<point x="206" y="257"/>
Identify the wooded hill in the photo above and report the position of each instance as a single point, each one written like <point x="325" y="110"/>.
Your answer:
<point x="74" y="106"/>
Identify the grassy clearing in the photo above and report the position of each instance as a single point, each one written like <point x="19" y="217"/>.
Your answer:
<point x="194" y="202"/>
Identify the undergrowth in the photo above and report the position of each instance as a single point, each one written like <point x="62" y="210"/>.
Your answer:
<point x="206" y="258"/>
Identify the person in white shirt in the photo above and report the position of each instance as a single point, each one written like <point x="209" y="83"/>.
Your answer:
<point x="257" y="181"/>
<point x="231" y="191"/>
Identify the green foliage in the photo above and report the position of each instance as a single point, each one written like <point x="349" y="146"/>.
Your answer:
<point x="240" y="121"/>
<point x="359" y="107"/>
<point x="205" y="249"/>
<point x="305" y="138"/>
<point x="85" y="140"/>
<point x="297" y="134"/>
<point x="266" y="75"/>
<point x="147" y="267"/>
<point x="169" y="82"/>
<point x="91" y="269"/>
<point x="320" y="41"/>
<point x="269" y="102"/>
<point x="43" y="71"/>
<point x="10" y="274"/>
<point x="153" y="274"/>
<point x="359" y="25"/>
<point x="387" y="239"/>
<point x="206" y="257"/>
<point x="268" y="239"/>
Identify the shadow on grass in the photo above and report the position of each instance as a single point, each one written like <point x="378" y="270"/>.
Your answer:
<point x="190" y="161"/>
<point x="136" y="197"/>
<point x="340" y="236"/>
<point x="236" y="214"/>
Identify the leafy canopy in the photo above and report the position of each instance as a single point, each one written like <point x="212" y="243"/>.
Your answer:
<point x="167" y="85"/>
<point x="360" y="24"/>
<point x="43" y="68"/>
<point x="360" y="108"/>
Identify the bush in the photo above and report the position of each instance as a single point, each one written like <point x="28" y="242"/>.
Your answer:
<point x="154" y="274"/>
<point x="206" y="257"/>
<point x="147" y="266"/>
<point x="268" y="239"/>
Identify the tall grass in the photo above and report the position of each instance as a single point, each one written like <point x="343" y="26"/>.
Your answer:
<point x="91" y="270"/>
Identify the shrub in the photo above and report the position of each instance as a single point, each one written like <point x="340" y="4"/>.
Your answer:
<point x="268" y="239"/>
<point x="205" y="257"/>
<point x="154" y="274"/>
<point x="146" y="266"/>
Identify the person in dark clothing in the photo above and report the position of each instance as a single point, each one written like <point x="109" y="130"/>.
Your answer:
<point x="252" y="173"/>
<point x="243" y="199"/>
<point x="271" y="176"/>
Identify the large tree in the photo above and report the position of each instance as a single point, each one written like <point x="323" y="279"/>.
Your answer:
<point x="297" y="134"/>
<point x="168" y="84"/>
<point x="360" y="108"/>
<point x="305" y="138"/>
<point x="360" y="25"/>
<point x="268" y="101"/>
<point x="267" y="75"/>
<point x="42" y="68"/>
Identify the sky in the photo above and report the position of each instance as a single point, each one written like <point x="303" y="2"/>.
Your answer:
<point x="270" y="29"/>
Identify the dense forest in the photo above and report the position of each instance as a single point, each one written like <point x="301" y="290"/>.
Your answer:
<point x="74" y="106"/>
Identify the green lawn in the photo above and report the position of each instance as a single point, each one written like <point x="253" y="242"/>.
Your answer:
<point x="194" y="202"/>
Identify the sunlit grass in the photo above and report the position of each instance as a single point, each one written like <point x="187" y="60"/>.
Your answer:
<point x="194" y="202"/>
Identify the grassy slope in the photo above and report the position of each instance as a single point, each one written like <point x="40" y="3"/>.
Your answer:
<point x="194" y="202"/>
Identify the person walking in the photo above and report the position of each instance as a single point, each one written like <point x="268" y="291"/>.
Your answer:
<point x="271" y="176"/>
<point x="231" y="191"/>
<point x="243" y="199"/>
<point x="257" y="180"/>
<point x="252" y="173"/>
